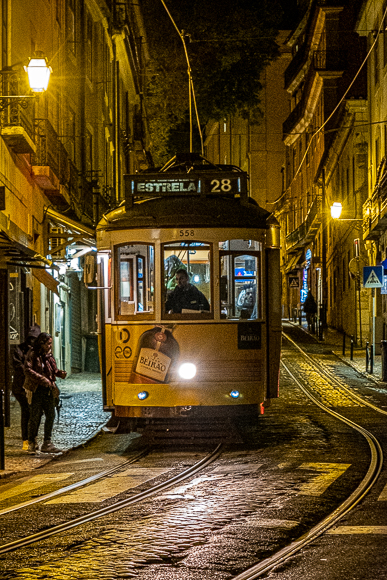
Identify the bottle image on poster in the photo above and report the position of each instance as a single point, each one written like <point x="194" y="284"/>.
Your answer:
<point x="157" y="349"/>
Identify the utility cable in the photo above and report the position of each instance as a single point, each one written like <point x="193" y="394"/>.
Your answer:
<point x="190" y="82"/>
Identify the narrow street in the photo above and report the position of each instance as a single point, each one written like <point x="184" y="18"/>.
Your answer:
<point x="292" y="469"/>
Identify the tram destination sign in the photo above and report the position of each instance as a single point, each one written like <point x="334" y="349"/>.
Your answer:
<point x="176" y="184"/>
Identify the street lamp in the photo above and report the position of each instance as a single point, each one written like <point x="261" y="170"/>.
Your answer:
<point x="336" y="210"/>
<point x="38" y="72"/>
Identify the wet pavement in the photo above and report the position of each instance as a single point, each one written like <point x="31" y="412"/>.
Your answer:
<point x="237" y="512"/>
<point x="335" y="340"/>
<point x="81" y="418"/>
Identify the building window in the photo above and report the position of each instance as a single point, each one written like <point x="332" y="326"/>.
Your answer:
<point x="384" y="35"/>
<point x="376" y="60"/>
<point x="294" y="160"/>
<point x="89" y="154"/>
<point x="4" y="30"/>
<point x="89" y="47"/>
<point x="70" y="25"/>
<point x="348" y="273"/>
<point x="58" y="11"/>
<point x="71" y="133"/>
<point x="344" y="275"/>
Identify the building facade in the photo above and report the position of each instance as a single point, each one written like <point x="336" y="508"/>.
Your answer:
<point x="63" y="154"/>
<point x="326" y="143"/>
<point x="371" y="25"/>
<point x="257" y="148"/>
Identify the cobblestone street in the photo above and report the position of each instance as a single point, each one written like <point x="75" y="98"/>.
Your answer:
<point x="81" y="416"/>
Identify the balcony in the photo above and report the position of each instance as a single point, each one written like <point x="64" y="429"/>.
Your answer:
<point x="295" y="116"/>
<point x="329" y="62"/>
<point x="50" y="162"/>
<point x="306" y="232"/>
<point x="15" y="119"/>
<point x="375" y="210"/>
<point x="295" y="65"/>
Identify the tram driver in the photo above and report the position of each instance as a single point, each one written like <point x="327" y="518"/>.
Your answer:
<point x="185" y="296"/>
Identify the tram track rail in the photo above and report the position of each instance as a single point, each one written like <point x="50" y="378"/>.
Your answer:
<point x="365" y="486"/>
<point x="328" y="374"/>
<point x="90" y="516"/>
<point x="76" y="485"/>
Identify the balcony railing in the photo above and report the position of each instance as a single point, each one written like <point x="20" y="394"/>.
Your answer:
<point x="375" y="210"/>
<point x="295" y="116"/>
<point x="52" y="167"/>
<point x="307" y="230"/>
<point x="295" y="64"/>
<point x="49" y="149"/>
<point x="329" y="60"/>
<point x="16" y="115"/>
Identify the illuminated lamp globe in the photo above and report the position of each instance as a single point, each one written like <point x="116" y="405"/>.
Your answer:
<point x="38" y="72"/>
<point x="336" y="209"/>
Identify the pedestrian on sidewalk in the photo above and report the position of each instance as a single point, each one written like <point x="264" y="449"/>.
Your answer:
<point x="310" y="309"/>
<point x="18" y="359"/>
<point x="42" y="393"/>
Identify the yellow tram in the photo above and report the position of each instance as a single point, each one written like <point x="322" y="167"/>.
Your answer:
<point x="212" y="347"/>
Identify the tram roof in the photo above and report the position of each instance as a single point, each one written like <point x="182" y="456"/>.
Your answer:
<point x="189" y="191"/>
<point x="187" y="211"/>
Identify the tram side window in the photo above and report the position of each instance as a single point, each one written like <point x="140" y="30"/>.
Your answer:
<point x="240" y="279"/>
<point x="135" y="279"/>
<point x="187" y="279"/>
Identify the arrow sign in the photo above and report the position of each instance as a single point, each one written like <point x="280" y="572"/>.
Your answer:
<point x="373" y="276"/>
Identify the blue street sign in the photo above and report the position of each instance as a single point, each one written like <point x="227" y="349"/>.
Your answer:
<point x="373" y="276"/>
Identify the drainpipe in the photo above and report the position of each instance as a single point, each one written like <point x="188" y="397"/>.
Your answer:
<point x="324" y="285"/>
<point x="115" y="193"/>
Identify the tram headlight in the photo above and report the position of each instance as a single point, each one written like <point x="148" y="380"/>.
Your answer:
<point x="234" y="394"/>
<point x="143" y="395"/>
<point x="187" y="371"/>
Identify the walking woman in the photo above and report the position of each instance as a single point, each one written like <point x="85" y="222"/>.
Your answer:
<point x="42" y="393"/>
